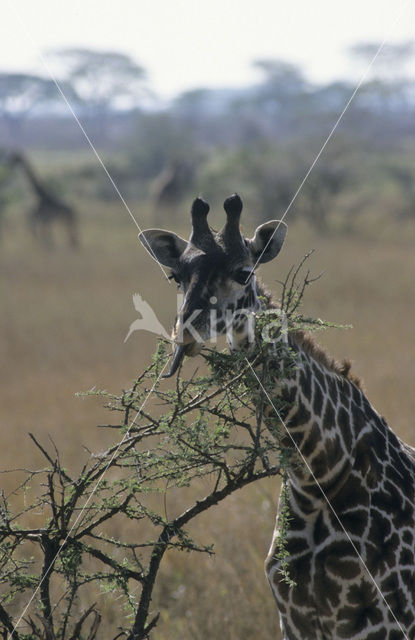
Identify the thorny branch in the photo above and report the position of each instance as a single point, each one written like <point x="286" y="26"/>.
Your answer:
<point x="210" y="426"/>
<point x="202" y="430"/>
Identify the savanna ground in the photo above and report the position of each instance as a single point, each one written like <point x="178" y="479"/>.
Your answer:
<point x="62" y="327"/>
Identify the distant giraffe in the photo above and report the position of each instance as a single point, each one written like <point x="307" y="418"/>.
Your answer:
<point x="351" y="539"/>
<point x="48" y="209"/>
<point x="5" y="172"/>
<point x="167" y="189"/>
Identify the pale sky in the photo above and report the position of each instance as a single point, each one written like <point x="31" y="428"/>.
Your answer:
<point x="191" y="43"/>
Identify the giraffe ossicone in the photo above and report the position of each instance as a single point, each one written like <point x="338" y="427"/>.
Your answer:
<point x="351" y="540"/>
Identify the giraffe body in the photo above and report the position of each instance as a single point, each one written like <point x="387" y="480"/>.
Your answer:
<point x="168" y="187"/>
<point x="351" y="484"/>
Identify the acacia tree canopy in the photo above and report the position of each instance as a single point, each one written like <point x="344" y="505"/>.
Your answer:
<point x="102" y="79"/>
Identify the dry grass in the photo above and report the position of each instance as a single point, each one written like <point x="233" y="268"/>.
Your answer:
<point x="63" y="322"/>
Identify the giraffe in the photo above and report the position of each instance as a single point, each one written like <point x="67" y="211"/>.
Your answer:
<point x="351" y="539"/>
<point x="167" y="188"/>
<point x="48" y="208"/>
<point x="5" y="172"/>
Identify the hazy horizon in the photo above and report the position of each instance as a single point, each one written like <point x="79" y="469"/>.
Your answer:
<point x="184" y="45"/>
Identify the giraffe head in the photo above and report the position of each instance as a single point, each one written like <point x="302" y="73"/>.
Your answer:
<point x="216" y="274"/>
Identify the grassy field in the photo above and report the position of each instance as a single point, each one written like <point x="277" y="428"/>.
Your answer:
<point x="62" y="328"/>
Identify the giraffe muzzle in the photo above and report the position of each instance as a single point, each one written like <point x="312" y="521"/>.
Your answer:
<point x="178" y="355"/>
<point x="181" y="350"/>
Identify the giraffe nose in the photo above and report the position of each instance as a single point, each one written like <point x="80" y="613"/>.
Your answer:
<point x="179" y="352"/>
<point x="178" y="356"/>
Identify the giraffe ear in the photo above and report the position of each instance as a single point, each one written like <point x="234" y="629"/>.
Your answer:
<point x="164" y="246"/>
<point x="268" y="240"/>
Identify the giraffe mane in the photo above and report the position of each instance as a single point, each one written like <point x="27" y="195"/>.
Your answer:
<point x="307" y="343"/>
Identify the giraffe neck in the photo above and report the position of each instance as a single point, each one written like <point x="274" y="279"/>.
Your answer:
<point x="327" y="418"/>
<point x="351" y="508"/>
<point x="39" y="189"/>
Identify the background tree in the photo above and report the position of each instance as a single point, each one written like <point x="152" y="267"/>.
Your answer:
<point x="282" y="98"/>
<point x="390" y="87"/>
<point x="392" y="61"/>
<point x="103" y="80"/>
<point x="20" y="95"/>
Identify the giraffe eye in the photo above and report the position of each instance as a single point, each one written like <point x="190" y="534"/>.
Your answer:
<point x="175" y="277"/>
<point x="242" y="276"/>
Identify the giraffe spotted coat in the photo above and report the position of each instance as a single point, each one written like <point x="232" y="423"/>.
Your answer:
<point x="368" y="476"/>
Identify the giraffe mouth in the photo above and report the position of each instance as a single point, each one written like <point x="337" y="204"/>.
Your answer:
<point x="180" y="351"/>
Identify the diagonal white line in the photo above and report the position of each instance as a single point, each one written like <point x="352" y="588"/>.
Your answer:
<point x="9" y="637"/>
<point x="98" y="157"/>
<point x="80" y="125"/>
<point x="326" y="499"/>
<point x="336" y="124"/>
